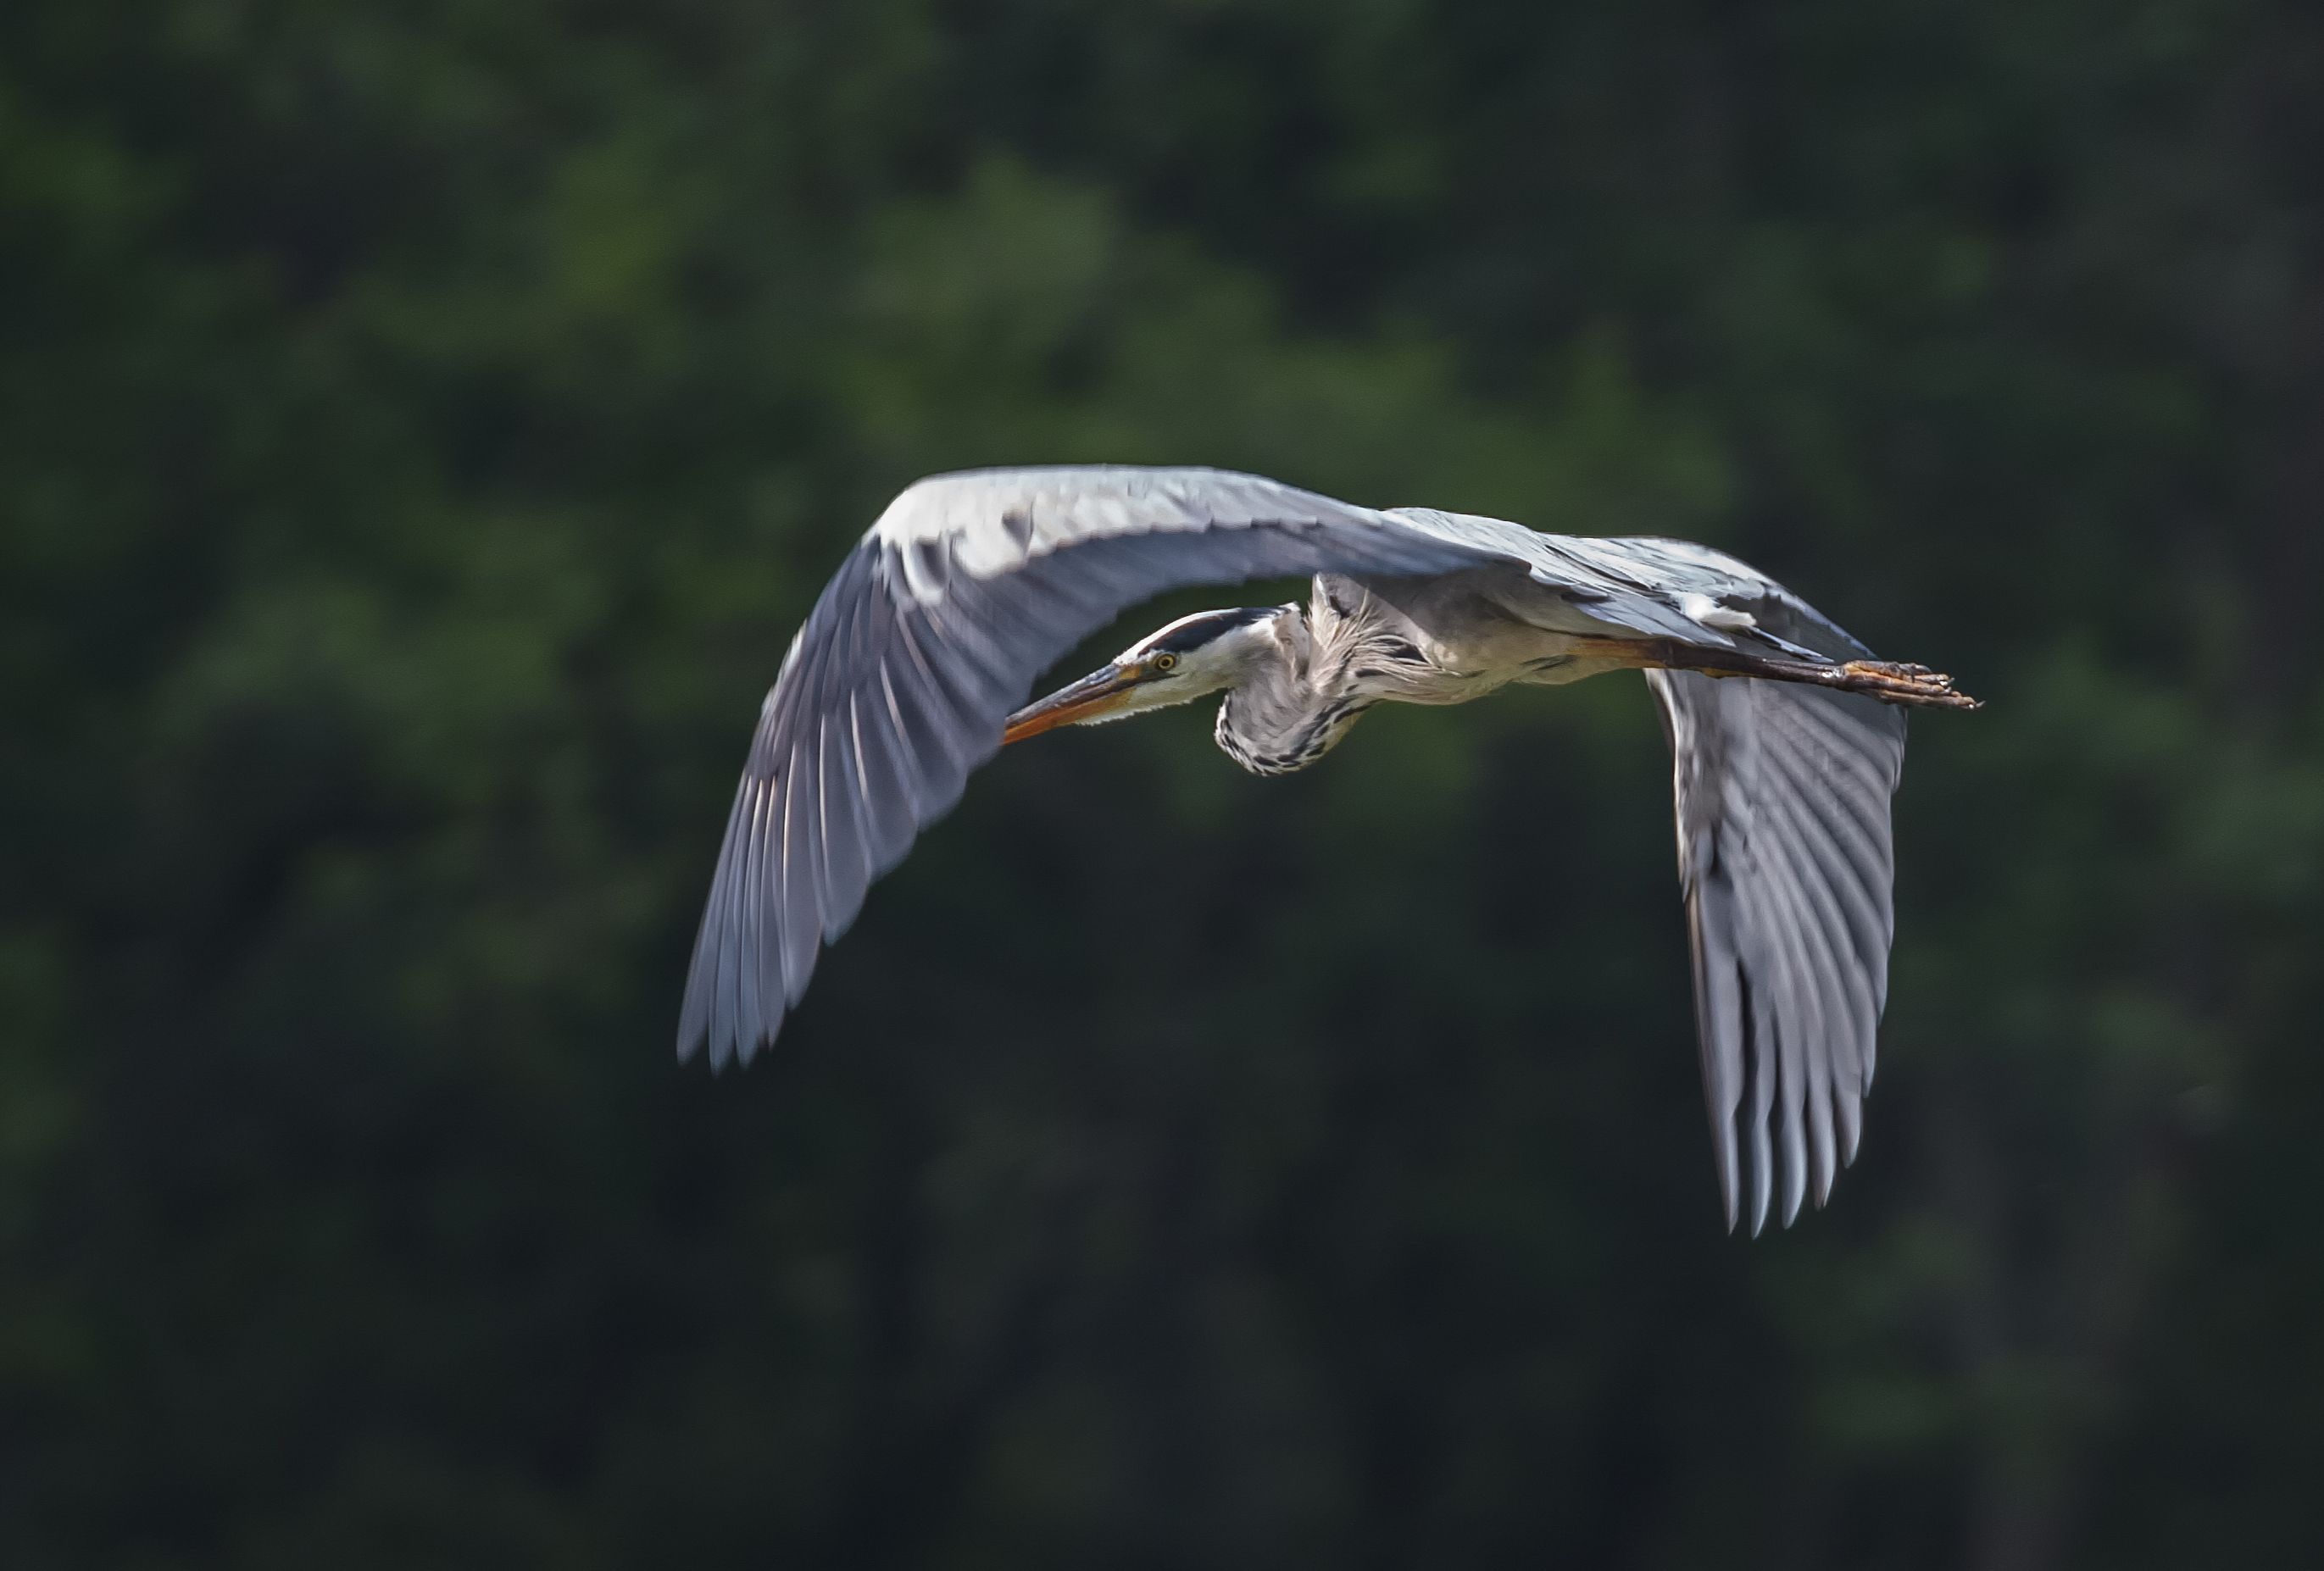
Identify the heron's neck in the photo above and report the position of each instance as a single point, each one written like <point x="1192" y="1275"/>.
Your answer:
<point x="1289" y="709"/>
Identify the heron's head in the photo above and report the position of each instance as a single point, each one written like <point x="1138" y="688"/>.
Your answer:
<point x="1194" y="655"/>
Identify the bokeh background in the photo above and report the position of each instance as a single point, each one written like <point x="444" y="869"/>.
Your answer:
<point x="422" y="427"/>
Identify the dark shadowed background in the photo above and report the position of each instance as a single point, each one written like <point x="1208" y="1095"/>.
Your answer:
<point x="422" y="427"/>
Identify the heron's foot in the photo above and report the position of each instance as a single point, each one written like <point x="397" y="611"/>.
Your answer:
<point x="1894" y="683"/>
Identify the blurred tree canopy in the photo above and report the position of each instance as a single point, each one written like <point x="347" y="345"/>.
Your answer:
<point x="422" y="427"/>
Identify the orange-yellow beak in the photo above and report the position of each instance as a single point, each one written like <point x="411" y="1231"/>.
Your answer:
<point x="1094" y="695"/>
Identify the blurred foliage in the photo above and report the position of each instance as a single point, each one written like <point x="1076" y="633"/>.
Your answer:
<point x="422" y="427"/>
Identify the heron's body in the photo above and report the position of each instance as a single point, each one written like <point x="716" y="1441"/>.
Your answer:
<point x="1357" y="643"/>
<point x="932" y="631"/>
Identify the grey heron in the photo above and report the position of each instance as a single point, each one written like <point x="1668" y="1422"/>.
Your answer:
<point x="910" y="671"/>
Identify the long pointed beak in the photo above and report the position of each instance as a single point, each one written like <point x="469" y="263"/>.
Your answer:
<point x="1092" y="696"/>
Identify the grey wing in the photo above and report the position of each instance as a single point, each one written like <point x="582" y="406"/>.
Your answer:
<point x="930" y="633"/>
<point x="1783" y="845"/>
<point x="1671" y="589"/>
<point x="1786" y="858"/>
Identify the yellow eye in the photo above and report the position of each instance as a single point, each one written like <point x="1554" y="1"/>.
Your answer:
<point x="1164" y="662"/>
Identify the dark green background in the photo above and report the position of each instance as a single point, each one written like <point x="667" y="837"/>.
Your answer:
<point x="422" y="427"/>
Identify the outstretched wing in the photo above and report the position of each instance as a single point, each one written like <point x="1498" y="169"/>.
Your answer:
<point x="930" y="633"/>
<point x="1787" y="858"/>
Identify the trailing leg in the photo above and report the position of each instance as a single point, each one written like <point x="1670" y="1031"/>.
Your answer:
<point x="1888" y="681"/>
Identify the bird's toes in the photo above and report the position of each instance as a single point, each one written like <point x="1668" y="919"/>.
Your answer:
<point x="1896" y="683"/>
<point x="1897" y="671"/>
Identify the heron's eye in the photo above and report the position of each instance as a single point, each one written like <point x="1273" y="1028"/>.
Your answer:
<point x="1166" y="661"/>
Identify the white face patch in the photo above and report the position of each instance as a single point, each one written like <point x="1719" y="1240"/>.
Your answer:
<point x="1206" y="652"/>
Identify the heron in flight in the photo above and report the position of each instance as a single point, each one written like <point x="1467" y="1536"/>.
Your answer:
<point x="913" y="664"/>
